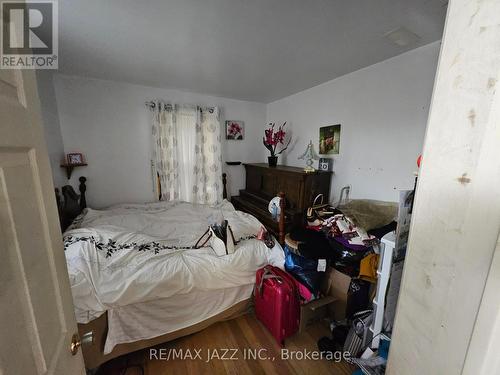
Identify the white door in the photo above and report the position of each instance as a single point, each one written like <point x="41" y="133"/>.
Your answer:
<point x="36" y="311"/>
<point x="447" y="313"/>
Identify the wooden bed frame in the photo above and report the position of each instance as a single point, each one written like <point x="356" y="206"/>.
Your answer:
<point x="70" y="206"/>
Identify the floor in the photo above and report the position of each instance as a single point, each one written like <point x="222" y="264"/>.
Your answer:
<point x="238" y="336"/>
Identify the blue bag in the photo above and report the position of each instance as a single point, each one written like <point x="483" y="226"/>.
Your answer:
<point x="303" y="269"/>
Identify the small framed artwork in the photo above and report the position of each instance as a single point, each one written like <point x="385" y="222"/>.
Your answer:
<point x="325" y="164"/>
<point x="235" y="130"/>
<point x="329" y="139"/>
<point x="74" y="158"/>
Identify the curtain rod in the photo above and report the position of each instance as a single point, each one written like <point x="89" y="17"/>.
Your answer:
<point x="152" y="105"/>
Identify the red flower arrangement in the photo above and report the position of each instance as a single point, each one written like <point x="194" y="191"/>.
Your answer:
<point x="272" y="138"/>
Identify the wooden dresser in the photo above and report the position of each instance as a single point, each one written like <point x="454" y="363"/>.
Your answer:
<point x="264" y="182"/>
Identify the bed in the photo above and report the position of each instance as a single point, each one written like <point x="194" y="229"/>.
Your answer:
<point x="136" y="279"/>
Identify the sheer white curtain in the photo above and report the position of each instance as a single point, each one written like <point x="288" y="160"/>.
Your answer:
<point x="187" y="156"/>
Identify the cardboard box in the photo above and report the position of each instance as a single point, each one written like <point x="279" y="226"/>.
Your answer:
<point x="336" y="284"/>
<point x="314" y="310"/>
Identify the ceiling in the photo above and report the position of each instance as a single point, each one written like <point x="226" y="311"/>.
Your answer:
<point x="258" y="50"/>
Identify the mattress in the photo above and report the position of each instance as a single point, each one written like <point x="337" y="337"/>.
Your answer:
<point x="142" y="253"/>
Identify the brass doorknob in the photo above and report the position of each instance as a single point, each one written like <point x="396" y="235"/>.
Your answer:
<point x="75" y="344"/>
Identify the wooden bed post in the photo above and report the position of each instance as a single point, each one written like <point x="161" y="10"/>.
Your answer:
<point x="281" y="223"/>
<point x="224" y="183"/>
<point x="73" y="204"/>
<point x="83" y="189"/>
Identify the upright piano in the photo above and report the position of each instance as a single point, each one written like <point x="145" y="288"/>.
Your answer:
<point x="264" y="182"/>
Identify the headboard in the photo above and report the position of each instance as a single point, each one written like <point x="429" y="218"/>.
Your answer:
<point x="71" y="204"/>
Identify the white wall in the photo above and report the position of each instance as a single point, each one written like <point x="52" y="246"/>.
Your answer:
<point x="109" y="123"/>
<point x="382" y="108"/>
<point x="52" y="130"/>
<point x="383" y="112"/>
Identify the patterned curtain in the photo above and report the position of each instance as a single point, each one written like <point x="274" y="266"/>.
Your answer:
<point x="164" y="158"/>
<point x="187" y="155"/>
<point x="207" y="171"/>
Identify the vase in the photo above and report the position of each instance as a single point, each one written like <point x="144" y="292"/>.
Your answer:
<point x="272" y="160"/>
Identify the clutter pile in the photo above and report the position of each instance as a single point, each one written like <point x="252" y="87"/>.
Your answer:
<point x="348" y="239"/>
<point x="334" y="257"/>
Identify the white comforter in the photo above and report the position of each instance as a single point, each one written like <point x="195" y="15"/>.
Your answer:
<point x="137" y="253"/>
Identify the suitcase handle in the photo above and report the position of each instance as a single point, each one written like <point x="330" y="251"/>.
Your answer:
<point x="268" y="274"/>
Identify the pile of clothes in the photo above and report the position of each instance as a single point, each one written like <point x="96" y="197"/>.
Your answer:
<point x="338" y="241"/>
<point x="349" y="237"/>
<point x="346" y="234"/>
<point x="346" y="238"/>
<point x="341" y="226"/>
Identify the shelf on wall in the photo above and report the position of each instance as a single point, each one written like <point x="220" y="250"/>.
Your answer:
<point x="69" y="168"/>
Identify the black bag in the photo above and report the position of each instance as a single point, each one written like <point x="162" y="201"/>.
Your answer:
<point x="337" y="342"/>
<point x="358" y="297"/>
<point x="312" y="244"/>
<point x="328" y="346"/>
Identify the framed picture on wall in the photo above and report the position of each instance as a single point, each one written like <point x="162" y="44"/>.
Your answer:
<point x="235" y="130"/>
<point x="74" y="158"/>
<point x="329" y="139"/>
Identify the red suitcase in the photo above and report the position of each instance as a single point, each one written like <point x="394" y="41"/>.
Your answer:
<point x="277" y="302"/>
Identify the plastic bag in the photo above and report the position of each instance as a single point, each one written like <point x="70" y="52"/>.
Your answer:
<point x="304" y="270"/>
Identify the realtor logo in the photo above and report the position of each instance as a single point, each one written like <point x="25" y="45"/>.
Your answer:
<point x="29" y="35"/>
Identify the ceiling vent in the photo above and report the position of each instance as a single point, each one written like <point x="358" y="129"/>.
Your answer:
<point x="402" y="37"/>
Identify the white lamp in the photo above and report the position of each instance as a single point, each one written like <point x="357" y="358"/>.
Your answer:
<point x="309" y="155"/>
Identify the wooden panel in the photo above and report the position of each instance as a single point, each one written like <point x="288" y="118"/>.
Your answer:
<point x="487" y="328"/>
<point x="264" y="182"/>
<point x="269" y="183"/>
<point x="293" y="186"/>
<point x="11" y="86"/>
<point x="318" y="184"/>
<point x="30" y="289"/>
<point x="253" y="179"/>
<point x="36" y="314"/>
